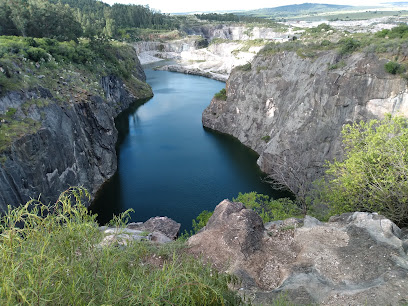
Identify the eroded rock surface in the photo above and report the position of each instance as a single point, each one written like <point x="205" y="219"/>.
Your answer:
<point x="286" y="107"/>
<point x="354" y="259"/>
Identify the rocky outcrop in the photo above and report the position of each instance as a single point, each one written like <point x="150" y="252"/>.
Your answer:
<point x="158" y="229"/>
<point x="354" y="259"/>
<point x="74" y="143"/>
<point x="194" y="71"/>
<point x="165" y="225"/>
<point x="290" y="107"/>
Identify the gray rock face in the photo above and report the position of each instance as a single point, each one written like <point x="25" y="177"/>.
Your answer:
<point x="355" y="259"/>
<point x="74" y="146"/>
<point x="286" y="106"/>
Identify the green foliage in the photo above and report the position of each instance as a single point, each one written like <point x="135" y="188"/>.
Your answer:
<point x="201" y="220"/>
<point x="266" y="138"/>
<point x="70" y="19"/>
<point x="374" y="174"/>
<point x="323" y="27"/>
<point x="221" y="95"/>
<point x="50" y="255"/>
<point x="36" y="54"/>
<point x="400" y="31"/>
<point x="12" y="129"/>
<point x="348" y="45"/>
<point x="394" y="68"/>
<point x="39" y="18"/>
<point x="338" y="65"/>
<point x="269" y="209"/>
<point x="245" y="67"/>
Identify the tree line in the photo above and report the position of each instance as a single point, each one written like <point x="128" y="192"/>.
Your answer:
<point x="71" y="19"/>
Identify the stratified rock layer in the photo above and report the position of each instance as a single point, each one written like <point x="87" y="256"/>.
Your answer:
<point x="355" y="259"/>
<point x="287" y="107"/>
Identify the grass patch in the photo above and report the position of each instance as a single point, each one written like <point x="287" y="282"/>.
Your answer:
<point x="50" y="255"/>
<point x="245" y="67"/>
<point x="338" y="65"/>
<point x="11" y="129"/>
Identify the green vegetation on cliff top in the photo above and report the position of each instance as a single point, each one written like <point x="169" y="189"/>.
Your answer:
<point x="71" y="71"/>
<point x="391" y="44"/>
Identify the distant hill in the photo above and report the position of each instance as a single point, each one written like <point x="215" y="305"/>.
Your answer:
<point x="397" y="3"/>
<point x="297" y="9"/>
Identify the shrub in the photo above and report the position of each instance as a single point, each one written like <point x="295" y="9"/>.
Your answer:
<point x="374" y="174"/>
<point x="338" y="65"/>
<point x="245" y="67"/>
<point x="36" y="54"/>
<point x="269" y="209"/>
<point x="266" y="138"/>
<point x="201" y="220"/>
<point x="348" y="45"/>
<point x="53" y="258"/>
<point x="394" y="68"/>
<point x="221" y="95"/>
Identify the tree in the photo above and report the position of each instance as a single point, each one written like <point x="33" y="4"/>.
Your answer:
<point x="290" y="172"/>
<point x="374" y="174"/>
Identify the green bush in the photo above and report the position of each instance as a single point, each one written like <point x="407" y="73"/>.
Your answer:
<point x="323" y="27"/>
<point x="269" y="209"/>
<point x="245" y="67"/>
<point x="266" y="138"/>
<point x="201" y="220"/>
<point x="338" y="65"/>
<point x="348" y="45"/>
<point x="36" y="54"/>
<point x="374" y="174"/>
<point x="394" y="68"/>
<point x="221" y="95"/>
<point x="400" y="31"/>
<point x="49" y="255"/>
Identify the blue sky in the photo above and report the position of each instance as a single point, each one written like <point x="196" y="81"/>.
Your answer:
<point x="178" y="6"/>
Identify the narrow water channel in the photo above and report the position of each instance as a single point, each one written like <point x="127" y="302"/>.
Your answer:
<point x="168" y="164"/>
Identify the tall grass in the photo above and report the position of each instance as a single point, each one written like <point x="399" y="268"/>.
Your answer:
<point x="49" y="255"/>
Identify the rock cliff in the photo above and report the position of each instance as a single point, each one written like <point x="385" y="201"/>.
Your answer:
<point x="73" y="142"/>
<point x="286" y="106"/>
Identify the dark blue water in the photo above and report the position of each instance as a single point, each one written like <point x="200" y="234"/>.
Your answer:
<point x="169" y="165"/>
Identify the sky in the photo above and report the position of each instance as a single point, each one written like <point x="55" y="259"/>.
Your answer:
<point x="181" y="6"/>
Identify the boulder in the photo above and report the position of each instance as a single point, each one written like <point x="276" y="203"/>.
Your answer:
<point x="354" y="259"/>
<point x="234" y="239"/>
<point x="165" y="225"/>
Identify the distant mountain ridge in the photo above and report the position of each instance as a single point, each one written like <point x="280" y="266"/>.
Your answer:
<point x="299" y="8"/>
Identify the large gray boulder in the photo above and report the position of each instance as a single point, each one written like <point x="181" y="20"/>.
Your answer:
<point x="354" y="259"/>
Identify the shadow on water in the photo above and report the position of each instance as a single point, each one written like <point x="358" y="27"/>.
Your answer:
<point x="108" y="200"/>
